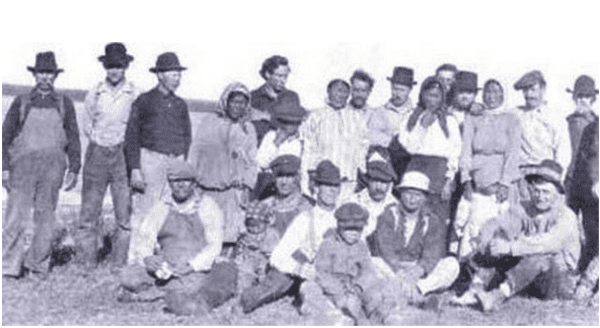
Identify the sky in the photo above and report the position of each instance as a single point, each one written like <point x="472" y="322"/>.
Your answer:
<point x="225" y="42"/>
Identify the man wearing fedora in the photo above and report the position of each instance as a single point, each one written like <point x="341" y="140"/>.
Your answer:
<point x="542" y="136"/>
<point x="158" y="133"/>
<point x="411" y="240"/>
<point x="584" y="96"/>
<point x="546" y="249"/>
<point x="107" y="108"/>
<point x="39" y="134"/>
<point x="462" y="96"/>
<point x="384" y="122"/>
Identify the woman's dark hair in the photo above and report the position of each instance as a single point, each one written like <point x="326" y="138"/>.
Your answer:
<point x="271" y="64"/>
<point x="430" y="83"/>
<point x="335" y="82"/>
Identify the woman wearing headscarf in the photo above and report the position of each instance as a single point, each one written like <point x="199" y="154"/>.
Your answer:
<point x="432" y="138"/>
<point x="489" y="165"/>
<point x="224" y="155"/>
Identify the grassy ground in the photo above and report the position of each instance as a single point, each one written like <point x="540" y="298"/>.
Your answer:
<point x="71" y="296"/>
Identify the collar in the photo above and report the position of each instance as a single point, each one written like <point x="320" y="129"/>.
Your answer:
<point x="540" y="109"/>
<point x="190" y="206"/>
<point x="404" y="108"/>
<point x="35" y="94"/>
<point x="263" y="90"/>
<point x="170" y="94"/>
<point x="125" y="87"/>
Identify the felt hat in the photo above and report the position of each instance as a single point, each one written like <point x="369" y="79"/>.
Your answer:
<point x="327" y="173"/>
<point x="285" y="165"/>
<point x="402" y="75"/>
<point x="351" y="216"/>
<point x="529" y="79"/>
<point x="45" y="62"/>
<point x="287" y="107"/>
<point x="584" y="85"/>
<point x="115" y="54"/>
<point x="548" y="170"/>
<point x="414" y="180"/>
<point x="466" y="81"/>
<point x="167" y="62"/>
<point x="181" y="170"/>
<point x="379" y="168"/>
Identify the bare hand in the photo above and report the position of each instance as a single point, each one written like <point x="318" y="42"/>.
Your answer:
<point x="280" y="137"/>
<point x="501" y="193"/>
<point x="447" y="190"/>
<point x="468" y="190"/>
<point x="137" y="180"/>
<point x="153" y="263"/>
<point x="182" y="270"/>
<point x="6" y="180"/>
<point x="499" y="247"/>
<point x="70" y="181"/>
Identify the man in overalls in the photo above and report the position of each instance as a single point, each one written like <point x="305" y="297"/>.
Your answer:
<point x="39" y="133"/>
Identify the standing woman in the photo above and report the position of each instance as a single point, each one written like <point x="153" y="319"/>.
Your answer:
<point x="432" y="138"/>
<point x="224" y="155"/>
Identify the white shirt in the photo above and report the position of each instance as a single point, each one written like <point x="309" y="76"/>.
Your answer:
<point x="432" y="141"/>
<point x="267" y="151"/>
<point x="305" y="233"/>
<point x="375" y="208"/>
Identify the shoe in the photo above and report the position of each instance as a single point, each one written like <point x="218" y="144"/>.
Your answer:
<point x="490" y="301"/>
<point x="468" y="298"/>
<point x="583" y="294"/>
<point x="432" y="303"/>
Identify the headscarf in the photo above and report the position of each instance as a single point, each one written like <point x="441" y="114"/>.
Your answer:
<point x="222" y="104"/>
<point x="440" y="112"/>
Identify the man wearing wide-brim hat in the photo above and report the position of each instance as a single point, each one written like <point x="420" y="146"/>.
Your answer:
<point x="411" y="240"/>
<point x="547" y="246"/>
<point x="462" y="95"/>
<point x="107" y="109"/>
<point x="584" y="96"/>
<point x="158" y="132"/>
<point x="384" y="121"/>
<point x="40" y="141"/>
<point x="542" y="136"/>
<point x="287" y="115"/>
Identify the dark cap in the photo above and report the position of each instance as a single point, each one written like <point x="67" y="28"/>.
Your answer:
<point x="584" y="85"/>
<point x="327" y="173"/>
<point x="45" y="62"/>
<point x="115" y="54"/>
<point x="287" y="107"/>
<point x="181" y="170"/>
<point x="466" y="81"/>
<point x="548" y="170"/>
<point x="285" y="165"/>
<point x="351" y="216"/>
<point x="403" y="75"/>
<point x="530" y="79"/>
<point x="167" y="62"/>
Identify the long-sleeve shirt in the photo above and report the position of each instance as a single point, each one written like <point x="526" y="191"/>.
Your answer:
<point x="203" y="208"/>
<point x="384" y="122"/>
<point x="340" y="136"/>
<point x="107" y="112"/>
<point x="12" y="126"/>
<point x="432" y="141"/>
<point x="159" y="122"/>
<point x="397" y="240"/>
<point x="268" y="151"/>
<point x="305" y="235"/>
<point x="543" y="137"/>
<point x="551" y="232"/>
<point x="490" y="150"/>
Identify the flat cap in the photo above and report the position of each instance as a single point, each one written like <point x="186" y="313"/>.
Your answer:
<point x="351" y="215"/>
<point x="285" y="165"/>
<point x="181" y="170"/>
<point x="530" y="79"/>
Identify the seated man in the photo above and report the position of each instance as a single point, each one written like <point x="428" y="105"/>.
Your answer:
<point x="547" y="248"/>
<point x="346" y="275"/>
<point x="174" y="253"/>
<point x="411" y="240"/>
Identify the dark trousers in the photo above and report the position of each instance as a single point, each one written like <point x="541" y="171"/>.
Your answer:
<point x="104" y="166"/>
<point x="275" y="285"/>
<point x="590" y="227"/>
<point x="28" y="223"/>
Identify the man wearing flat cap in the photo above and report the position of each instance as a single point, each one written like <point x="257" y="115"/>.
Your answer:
<point x="542" y="137"/>
<point x="385" y="121"/>
<point x="547" y="247"/>
<point x="411" y="240"/>
<point x="40" y="141"/>
<point x="158" y="133"/>
<point x="107" y="108"/>
<point x="179" y="241"/>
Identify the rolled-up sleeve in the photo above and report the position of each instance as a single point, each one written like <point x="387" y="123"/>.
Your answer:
<point x="212" y="220"/>
<point x="281" y="258"/>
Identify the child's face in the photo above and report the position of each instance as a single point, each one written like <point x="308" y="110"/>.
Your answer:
<point x="350" y="236"/>
<point x="255" y="227"/>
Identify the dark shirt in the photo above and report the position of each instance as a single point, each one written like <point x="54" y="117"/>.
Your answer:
<point x="585" y="169"/>
<point x="158" y="122"/>
<point x="262" y="101"/>
<point x="426" y="246"/>
<point x="12" y="126"/>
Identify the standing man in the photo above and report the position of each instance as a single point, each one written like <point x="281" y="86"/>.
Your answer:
<point x="384" y="122"/>
<point x="158" y="133"/>
<point x="446" y="74"/>
<point x="541" y="136"/>
<point x="462" y="96"/>
<point x="107" y="106"/>
<point x="275" y="71"/>
<point x="39" y="131"/>
<point x="362" y="85"/>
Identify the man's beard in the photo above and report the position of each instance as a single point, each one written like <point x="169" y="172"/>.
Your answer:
<point x="361" y="105"/>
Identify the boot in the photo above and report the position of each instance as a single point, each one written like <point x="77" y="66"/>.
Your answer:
<point x="490" y="301"/>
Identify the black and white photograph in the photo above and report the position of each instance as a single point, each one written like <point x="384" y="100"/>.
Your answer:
<point x="264" y="163"/>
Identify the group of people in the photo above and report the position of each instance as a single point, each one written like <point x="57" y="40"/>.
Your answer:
<point x="356" y="211"/>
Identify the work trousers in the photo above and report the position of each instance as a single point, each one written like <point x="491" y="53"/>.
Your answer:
<point x="28" y="223"/>
<point x="104" y="166"/>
